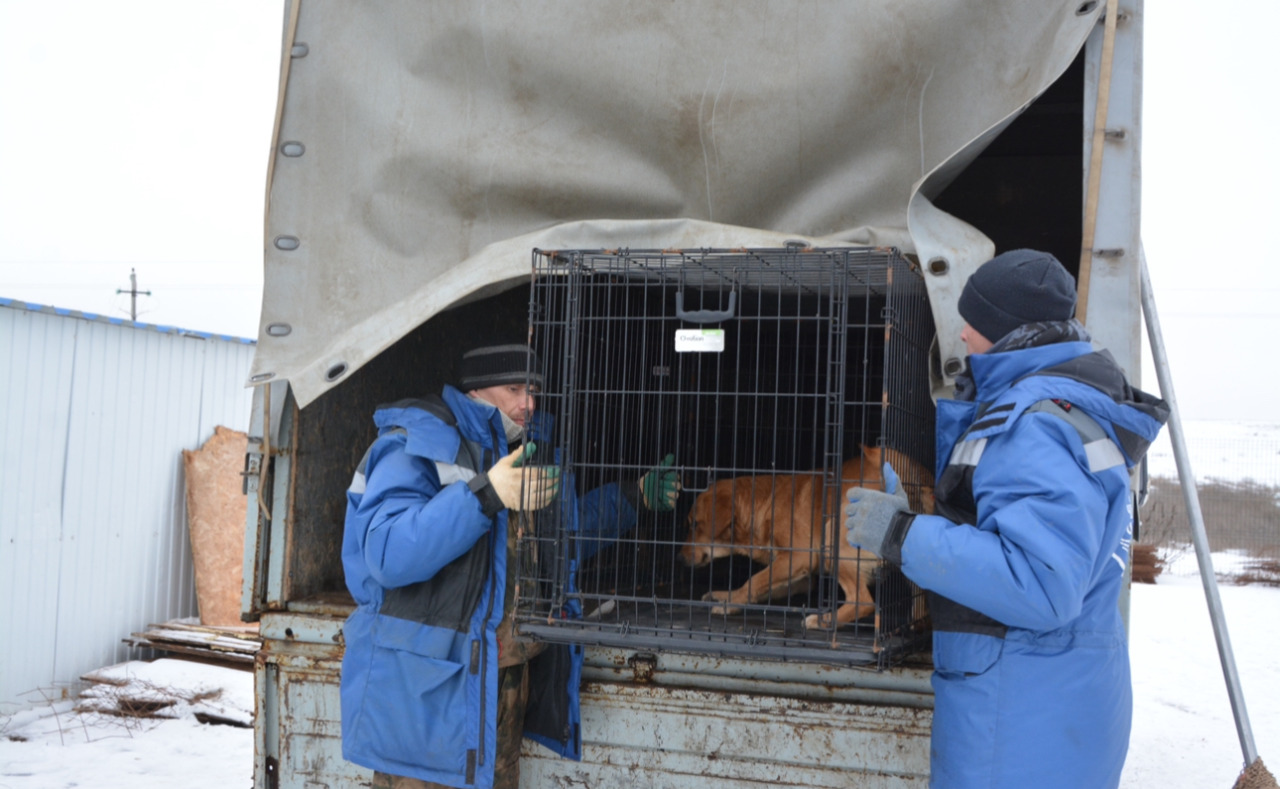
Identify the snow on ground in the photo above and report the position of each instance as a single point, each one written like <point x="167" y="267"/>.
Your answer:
<point x="104" y="752"/>
<point x="173" y="688"/>
<point x="80" y="744"/>
<point x="1184" y="736"/>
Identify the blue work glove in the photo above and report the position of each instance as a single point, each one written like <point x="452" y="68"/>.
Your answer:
<point x="878" y="521"/>
<point x="660" y="486"/>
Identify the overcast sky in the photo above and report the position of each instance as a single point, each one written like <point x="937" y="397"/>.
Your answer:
<point x="136" y="134"/>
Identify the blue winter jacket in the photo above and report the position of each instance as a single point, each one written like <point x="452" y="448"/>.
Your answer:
<point x="427" y="568"/>
<point x="1026" y="560"/>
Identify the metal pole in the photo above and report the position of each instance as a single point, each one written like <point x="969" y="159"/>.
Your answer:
<point x="1198" y="535"/>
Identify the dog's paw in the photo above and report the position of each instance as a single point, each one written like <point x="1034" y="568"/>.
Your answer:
<point x="721" y="597"/>
<point x="817" y="622"/>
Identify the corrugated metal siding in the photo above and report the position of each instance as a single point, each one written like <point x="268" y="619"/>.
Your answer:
<point x="94" y="416"/>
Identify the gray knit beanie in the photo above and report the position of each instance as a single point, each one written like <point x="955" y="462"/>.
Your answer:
<point x="495" y="365"/>
<point x="1017" y="287"/>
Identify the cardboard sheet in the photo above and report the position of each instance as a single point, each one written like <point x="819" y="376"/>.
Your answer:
<point x="216" y="521"/>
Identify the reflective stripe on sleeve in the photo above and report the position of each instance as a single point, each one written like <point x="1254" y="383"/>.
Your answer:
<point x="968" y="453"/>
<point x="451" y="472"/>
<point x="1103" y="454"/>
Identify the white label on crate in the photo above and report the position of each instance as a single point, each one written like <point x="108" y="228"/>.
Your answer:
<point x="700" y="340"/>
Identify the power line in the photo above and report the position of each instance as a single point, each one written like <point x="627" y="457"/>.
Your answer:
<point x="164" y="285"/>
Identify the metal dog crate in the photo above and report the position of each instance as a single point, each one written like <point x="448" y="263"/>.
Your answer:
<point x="747" y="365"/>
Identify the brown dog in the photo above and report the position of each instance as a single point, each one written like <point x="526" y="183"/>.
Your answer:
<point x="772" y="519"/>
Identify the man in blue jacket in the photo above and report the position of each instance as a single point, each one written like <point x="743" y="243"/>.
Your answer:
<point x="434" y="685"/>
<point x="1024" y="558"/>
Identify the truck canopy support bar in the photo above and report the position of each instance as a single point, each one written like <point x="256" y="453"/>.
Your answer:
<point x="1198" y="535"/>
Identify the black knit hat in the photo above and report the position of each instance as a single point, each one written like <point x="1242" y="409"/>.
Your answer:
<point x="495" y="365"/>
<point x="1017" y="287"/>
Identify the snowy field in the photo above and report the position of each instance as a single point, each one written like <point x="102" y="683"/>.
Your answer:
<point x="1184" y="736"/>
<point x="1222" y="450"/>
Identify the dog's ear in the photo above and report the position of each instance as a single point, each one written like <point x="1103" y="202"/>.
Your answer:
<point x="697" y="513"/>
<point x="712" y="510"/>
<point x="721" y="513"/>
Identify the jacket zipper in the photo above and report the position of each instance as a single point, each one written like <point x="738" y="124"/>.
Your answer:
<point x="478" y="662"/>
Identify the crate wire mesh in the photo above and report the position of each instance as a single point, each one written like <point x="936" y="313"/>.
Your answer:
<point x="762" y="372"/>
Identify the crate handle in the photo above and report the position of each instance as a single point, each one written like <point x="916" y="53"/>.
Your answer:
<point x="705" y="316"/>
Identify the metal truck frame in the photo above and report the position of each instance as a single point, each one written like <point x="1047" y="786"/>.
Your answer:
<point x="363" y="304"/>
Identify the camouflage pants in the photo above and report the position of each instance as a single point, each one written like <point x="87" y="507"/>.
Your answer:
<point x="513" y="693"/>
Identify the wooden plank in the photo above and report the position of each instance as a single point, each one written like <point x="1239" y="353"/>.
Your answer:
<point x="230" y="658"/>
<point x="234" y="646"/>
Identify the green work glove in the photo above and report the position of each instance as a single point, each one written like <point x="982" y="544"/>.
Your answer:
<point x="660" y="486"/>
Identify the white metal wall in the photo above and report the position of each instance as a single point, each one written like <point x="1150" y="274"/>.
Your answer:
<point x="94" y="415"/>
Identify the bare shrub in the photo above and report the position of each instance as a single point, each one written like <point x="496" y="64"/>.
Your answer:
<point x="1147" y="563"/>
<point x="1260" y="571"/>
<point x="68" y="722"/>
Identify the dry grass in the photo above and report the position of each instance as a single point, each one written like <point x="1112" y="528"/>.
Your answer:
<point x="1239" y="516"/>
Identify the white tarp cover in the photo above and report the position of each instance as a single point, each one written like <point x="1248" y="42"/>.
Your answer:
<point x="442" y="141"/>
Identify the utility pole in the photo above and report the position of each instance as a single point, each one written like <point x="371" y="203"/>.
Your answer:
<point x="133" y="294"/>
